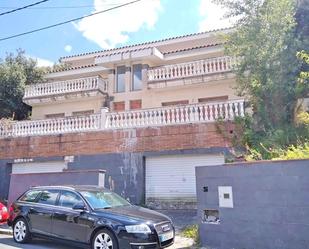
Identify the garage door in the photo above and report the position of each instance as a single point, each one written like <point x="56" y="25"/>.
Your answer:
<point x="174" y="176"/>
<point x="38" y="167"/>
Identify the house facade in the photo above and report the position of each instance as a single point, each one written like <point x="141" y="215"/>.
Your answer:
<point x="145" y="113"/>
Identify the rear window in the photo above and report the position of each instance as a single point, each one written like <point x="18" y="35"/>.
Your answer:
<point x="30" y="196"/>
<point x="48" y="197"/>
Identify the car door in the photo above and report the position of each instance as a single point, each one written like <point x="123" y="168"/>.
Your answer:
<point x="40" y="213"/>
<point x="68" y="223"/>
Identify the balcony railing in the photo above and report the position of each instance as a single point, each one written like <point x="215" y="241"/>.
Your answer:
<point x="191" y="69"/>
<point x="196" y="113"/>
<point x="63" y="87"/>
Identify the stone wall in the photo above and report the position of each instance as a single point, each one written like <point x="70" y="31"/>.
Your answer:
<point x="270" y="205"/>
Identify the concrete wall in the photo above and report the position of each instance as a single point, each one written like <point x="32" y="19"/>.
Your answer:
<point x="182" y="90"/>
<point x="21" y="182"/>
<point x="271" y="205"/>
<point x="5" y="171"/>
<point x="67" y="107"/>
<point x="125" y="172"/>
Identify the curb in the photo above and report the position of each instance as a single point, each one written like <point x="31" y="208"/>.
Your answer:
<point x="6" y="231"/>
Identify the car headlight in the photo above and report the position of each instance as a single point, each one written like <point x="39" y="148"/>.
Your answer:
<point x="142" y="228"/>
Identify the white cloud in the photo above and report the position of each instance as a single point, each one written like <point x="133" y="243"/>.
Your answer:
<point x="68" y="48"/>
<point x="113" y="27"/>
<point x="212" y="15"/>
<point x="42" y="62"/>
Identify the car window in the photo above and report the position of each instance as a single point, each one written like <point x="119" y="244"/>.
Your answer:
<point x="69" y="199"/>
<point x="48" y="197"/>
<point x="104" y="199"/>
<point x="30" y="196"/>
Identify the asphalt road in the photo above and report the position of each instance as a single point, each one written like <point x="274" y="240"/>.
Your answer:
<point x="7" y="242"/>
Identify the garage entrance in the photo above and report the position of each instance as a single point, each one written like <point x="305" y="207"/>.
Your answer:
<point x="38" y="167"/>
<point x="170" y="180"/>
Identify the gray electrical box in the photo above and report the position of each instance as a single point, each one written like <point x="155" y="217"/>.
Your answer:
<point x="225" y="196"/>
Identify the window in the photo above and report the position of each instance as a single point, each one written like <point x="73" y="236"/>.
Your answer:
<point x="83" y="113"/>
<point x="30" y="196"/>
<point x="69" y="199"/>
<point x="135" y="104"/>
<point x="104" y="199"/>
<point x="179" y="102"/>
<point x="56" y="115"/>
<point x="119" y="106"/>
<point x="137" y="77"/>
<point x="48" y="197"/>
<point x="120" y="79"/>
<point x="213" y="99"/>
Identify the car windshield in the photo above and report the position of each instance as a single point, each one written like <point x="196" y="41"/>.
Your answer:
<point x="104" y="199"/>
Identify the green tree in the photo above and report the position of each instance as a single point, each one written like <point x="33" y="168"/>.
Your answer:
<point x="266" y="39"/>
<point x="16" y="71"/>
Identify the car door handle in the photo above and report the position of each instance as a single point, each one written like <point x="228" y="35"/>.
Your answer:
<point x="33" y="210"/>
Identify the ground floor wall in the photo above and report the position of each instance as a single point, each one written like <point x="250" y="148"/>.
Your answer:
<point x="21" y="182"/>
<point x="261" y="205"/>
<point x="122" y="153"/>
<point x="5" y="177"/>
<point x="125" y="174"/>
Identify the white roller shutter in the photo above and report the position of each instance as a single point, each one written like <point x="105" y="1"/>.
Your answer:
<point x="174" y="176"/>
<point x="38" y="167"/>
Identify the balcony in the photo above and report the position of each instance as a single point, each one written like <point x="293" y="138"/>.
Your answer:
<point x="61" y="88"/>
<point x="174" y="115"/>
<point x="161" y="76"/>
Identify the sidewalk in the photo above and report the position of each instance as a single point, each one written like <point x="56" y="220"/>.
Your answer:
<point x="181" y="218"/>
<point x="5" y="229"/>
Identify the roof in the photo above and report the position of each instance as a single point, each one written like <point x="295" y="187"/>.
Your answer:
<point x="70" y="187"/>
<point x="193" y="48"/>
<point x="72" y="68"/>
<point x="145" y="43"/>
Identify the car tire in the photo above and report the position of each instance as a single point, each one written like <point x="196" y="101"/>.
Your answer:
<point x="21" y="232"/>
<point x="104" y="239"/>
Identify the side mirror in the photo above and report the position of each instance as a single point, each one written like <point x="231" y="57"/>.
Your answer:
<point x="79" y="206"/>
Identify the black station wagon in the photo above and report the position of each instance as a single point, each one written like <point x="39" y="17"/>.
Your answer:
<point x="88" y="215"/>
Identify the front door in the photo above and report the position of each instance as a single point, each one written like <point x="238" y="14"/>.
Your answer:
<point x="68" y="223"/>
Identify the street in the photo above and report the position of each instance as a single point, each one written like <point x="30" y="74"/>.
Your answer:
<point x="7" y="242"/>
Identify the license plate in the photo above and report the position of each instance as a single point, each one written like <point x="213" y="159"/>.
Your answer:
<point x="166" y="236"/>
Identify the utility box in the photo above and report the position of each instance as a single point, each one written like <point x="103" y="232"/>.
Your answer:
<point x="225" y="196"/>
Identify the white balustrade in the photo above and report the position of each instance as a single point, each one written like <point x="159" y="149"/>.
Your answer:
<point x="203" y="112"/>
<point x="68" y="86"/>
<point x="55" y="126"/>
<point x="191" y="69"/>
<point x="173" y="115"/>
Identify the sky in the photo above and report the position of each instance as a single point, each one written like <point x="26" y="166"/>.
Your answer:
<point x="147" y="20"/>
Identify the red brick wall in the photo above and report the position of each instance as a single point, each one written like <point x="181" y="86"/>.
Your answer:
<point x="176" y="137"/>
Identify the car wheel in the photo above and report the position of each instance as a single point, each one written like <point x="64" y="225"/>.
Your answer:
<point x="104" y="239"/>
<point x="21" y="233"/>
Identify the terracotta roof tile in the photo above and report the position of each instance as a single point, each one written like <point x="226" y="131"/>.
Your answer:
<point x="193" y="48"/>
<point x="72" y="68"/>
<point x="141" y="44"/>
